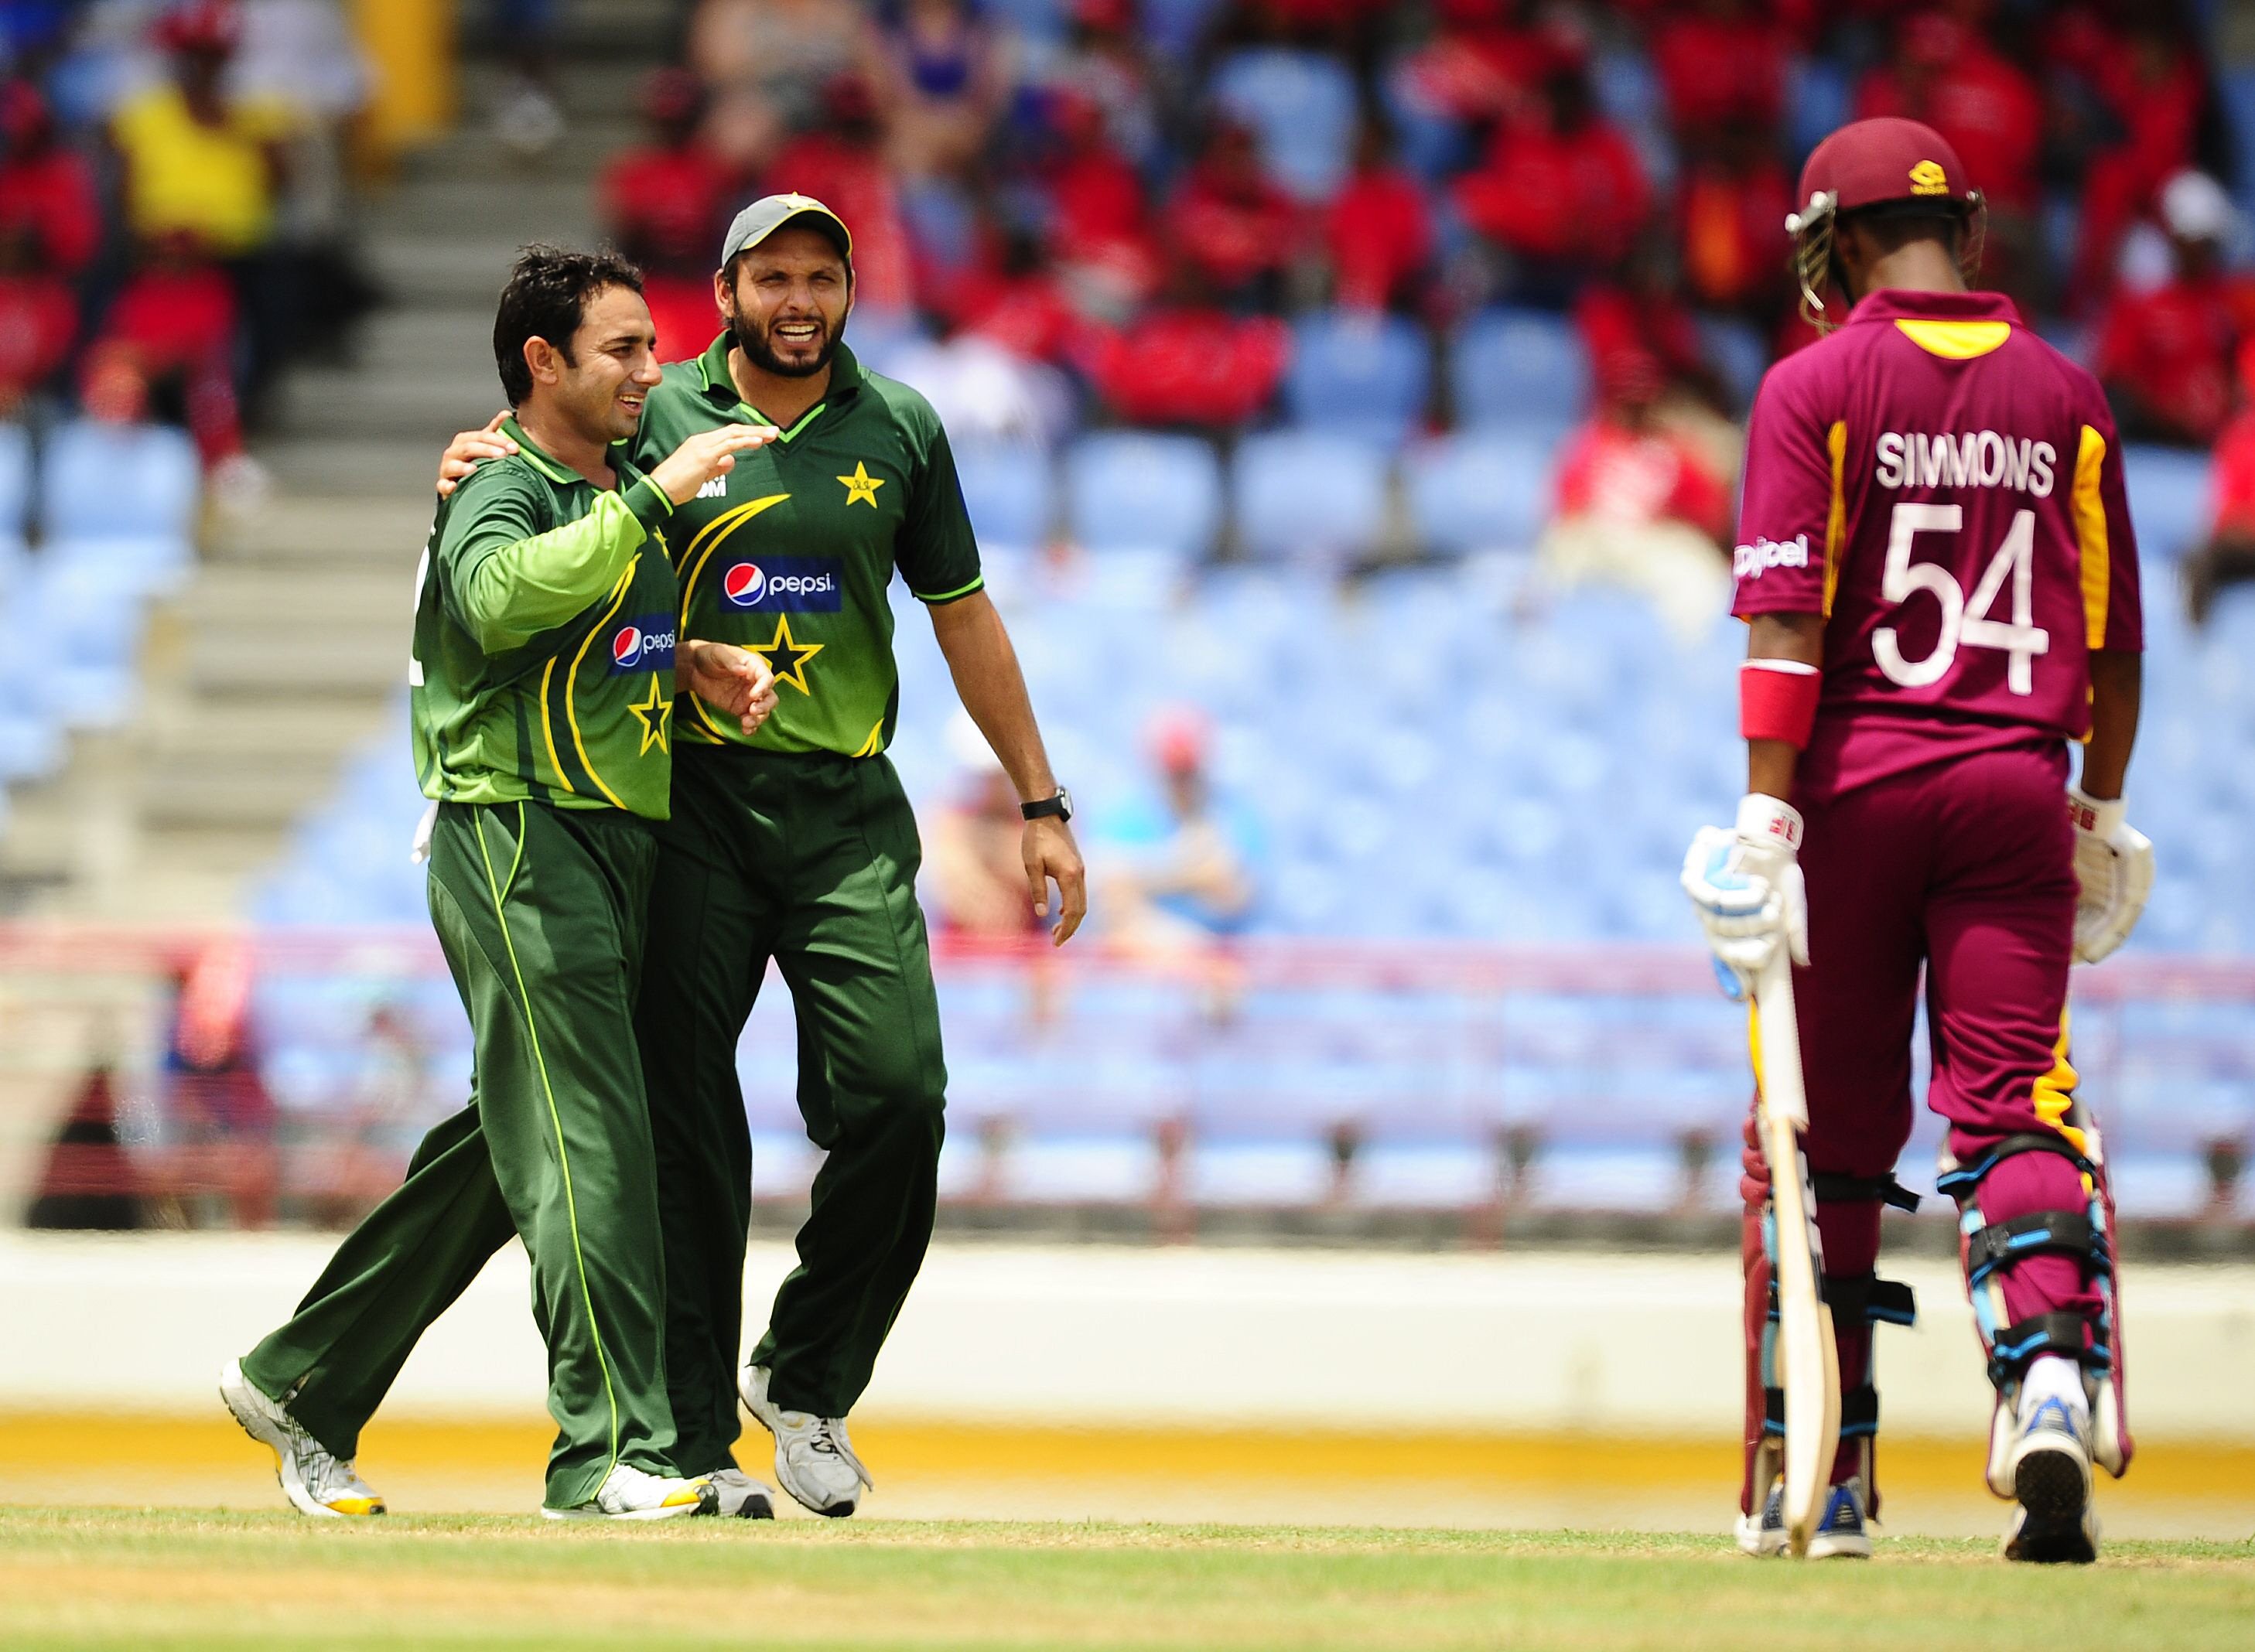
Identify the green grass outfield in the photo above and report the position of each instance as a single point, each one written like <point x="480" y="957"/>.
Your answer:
<point x="117" y="1578"/>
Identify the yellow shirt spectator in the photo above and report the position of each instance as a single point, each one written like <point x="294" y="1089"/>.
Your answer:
<point x="181" y="174"/>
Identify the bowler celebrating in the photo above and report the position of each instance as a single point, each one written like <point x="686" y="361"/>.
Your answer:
<point x="543" y="676"/>
<point x="1941" y="587"/>
<point x="796" y="843"/>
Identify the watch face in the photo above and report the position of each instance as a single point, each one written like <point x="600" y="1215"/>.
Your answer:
<point x="1064" y="804"/>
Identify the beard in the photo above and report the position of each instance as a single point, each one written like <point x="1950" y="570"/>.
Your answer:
<point x="757" y="351"/>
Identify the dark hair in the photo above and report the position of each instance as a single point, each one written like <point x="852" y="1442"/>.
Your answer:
<point x="546" y="297"/>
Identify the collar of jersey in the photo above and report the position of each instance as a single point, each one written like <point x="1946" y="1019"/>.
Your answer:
<point x="1891" y="304"/>
<point x="564" y="475"/>
<point x="712" y="368"/>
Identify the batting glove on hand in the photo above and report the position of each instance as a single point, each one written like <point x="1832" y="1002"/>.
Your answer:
<point x="1745" y="884"/>
<point x="2114" y="871"/>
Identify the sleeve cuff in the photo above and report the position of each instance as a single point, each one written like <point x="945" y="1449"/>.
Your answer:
<point x="647" y="502"/>
<point x="946" y="597"/>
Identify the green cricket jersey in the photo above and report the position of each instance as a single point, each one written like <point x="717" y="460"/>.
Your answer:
<point x="544" y="629"/>
<point x="790" y="554"/>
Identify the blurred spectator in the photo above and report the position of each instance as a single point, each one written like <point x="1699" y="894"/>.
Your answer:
<point x="1640" y="317"/>
<point x="47" y="191"/>
<point x="768" y="63"/>
<point x="197" y="158"/>
<point x="1639" y="505"/>
<point x="1240" y="231"/>
<point x="2228" y="558"/>
<point x="38" y="318"/>
<point x="1015" y="302"/>
<point x="389" y="1108"/>
<point x="1186" y="361"/>
<point x="985" y="393"/>
<point x="1721" y="65"/>
<point x="217" y="1118"/>
<point x="89" y="1184"/>
<point x="1945" y="70"/>
<point x="944" y="76"/>
<point x="2146" y="76"/>
<point x="1487" y="62"/>
<point x="665" y="204"/>
<point x="1380" y="233"/>
<point x="1731" y="205"/>
<point x="1105" y="63"/>
<point x="527" y="119"/>
<point x="841" y="161"/>
<point x="2166" y="355"/>
<point x="1181" y="862"/>
<point x="1562" y="192"/>
<point x="974" y="850"/>
<point x="1098" y="228"/>
<point x="167" y="350"/>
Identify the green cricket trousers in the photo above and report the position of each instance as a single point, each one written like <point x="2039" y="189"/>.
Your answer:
<point x="540" y="912"/>
<point x="808" y="859"/>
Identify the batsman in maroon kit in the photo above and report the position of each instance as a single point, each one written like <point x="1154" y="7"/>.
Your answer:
<point x="1941" y="587"/>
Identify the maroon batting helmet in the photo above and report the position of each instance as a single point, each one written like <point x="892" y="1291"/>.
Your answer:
<point x="1887" y="166"/>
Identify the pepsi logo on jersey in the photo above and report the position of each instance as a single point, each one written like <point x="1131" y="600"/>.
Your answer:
<point x="785" y="585"/>
<point x="644" y="644"/>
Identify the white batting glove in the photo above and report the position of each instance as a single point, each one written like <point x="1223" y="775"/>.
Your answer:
<point x="2114" y="870"/>
<point x="1745" y="884"/>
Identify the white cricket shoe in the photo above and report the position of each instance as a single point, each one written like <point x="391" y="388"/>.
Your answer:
<point x="1841" y="1534"/>
<point x="315" y="1481"/>
<point x="741" y="1497"/>
<point x="1762" y="1533"/>
<point x="814" y="1460"/>
<point x="629" y="1493"/>
<point x="2048" y="1464"/>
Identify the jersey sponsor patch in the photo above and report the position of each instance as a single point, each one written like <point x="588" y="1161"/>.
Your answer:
<point x="1751" y="562"/>
<point x="644" y="644"/>
<point x="785" y="585"/>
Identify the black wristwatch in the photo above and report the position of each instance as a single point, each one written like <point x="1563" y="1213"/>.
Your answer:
<point x="1060" y="806"/>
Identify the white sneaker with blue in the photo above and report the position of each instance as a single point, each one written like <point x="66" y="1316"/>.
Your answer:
<point x="1840" y="1535"/>
<point x="2047" y="1463"/>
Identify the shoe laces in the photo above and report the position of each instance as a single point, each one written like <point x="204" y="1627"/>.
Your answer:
<point x="826" y="1436"/>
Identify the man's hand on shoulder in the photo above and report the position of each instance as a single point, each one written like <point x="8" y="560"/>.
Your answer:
<point x="732" y="680"/>
<point x="469" y="449"/>
<point x="706" y="455"/>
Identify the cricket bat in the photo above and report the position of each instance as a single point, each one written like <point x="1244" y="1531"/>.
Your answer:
<point x="1809" y="1361"/>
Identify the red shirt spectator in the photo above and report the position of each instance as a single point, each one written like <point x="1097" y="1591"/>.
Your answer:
<point x="38" y="318"/>
<point x="1235" y="224"/>
<point x="1643" y="323"/>
<point x="1947" y="76"/>
<point x="666" y="201"/>
<point x="684" y="313"/>
<point x="1722" y="65"/>
<point x="1019" y="304"/>
<point x="841" y="163"/>
<point x="1098" y="226"/>
<point x="46" y="188"/>
<point x="2165" y="357"/>
<point x="1567" y="189"/>
<point x="2231" y="479"/>
<point x="1380" y="233"/>
<point x="1189" y="363"/>
<point x="1487" y="62"/>
<point x="172" y="328"/>
<point x="1730" y="213"/>
<point x="1623" y="468"/>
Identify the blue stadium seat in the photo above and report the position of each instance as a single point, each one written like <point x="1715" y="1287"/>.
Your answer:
<point x="1359" y="375"/>
<point x="1128" y="489"/>
<point x="1432" y="143"/>
<point x="108" y="481"/>
<point x="1308" y="495"/>
<point x="1174" y="28"/>
<point x="1739" y="352"/>
<point x="1010" y="492"/>
<point x="1522" y="369"/>
<point x="1302" y="105"/>
<point x="2168" y="499"/>
<point x="1484" y="491"/>
<point x="2238" y="89"/>
<point x="1819" y="101"/>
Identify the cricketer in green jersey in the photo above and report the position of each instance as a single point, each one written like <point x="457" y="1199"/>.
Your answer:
<point x="796" y="844"/>
<point x="543" y="675"/>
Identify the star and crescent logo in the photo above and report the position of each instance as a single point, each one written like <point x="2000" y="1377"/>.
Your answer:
<point x="861" y="486"/>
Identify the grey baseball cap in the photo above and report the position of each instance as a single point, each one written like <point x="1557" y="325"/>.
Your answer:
<point x="770" y="212"/>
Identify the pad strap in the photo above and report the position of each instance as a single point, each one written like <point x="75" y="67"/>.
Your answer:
<point x="1859" y="1412"/>
<point x="1831" y="1189"/>
<point x="1961" y="1181"/>
<point x="1868" y="1297"/>
<point x="2069" y="1335"/>
<point x="2040" y="1233"/>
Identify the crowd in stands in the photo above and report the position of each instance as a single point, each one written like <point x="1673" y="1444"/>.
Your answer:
<point x="173" y="220"/>
<point x="1133" y="201"/>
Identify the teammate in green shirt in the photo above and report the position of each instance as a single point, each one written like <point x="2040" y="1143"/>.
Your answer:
<point x="544" y="677"/>
<point x="796" y="842"/>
